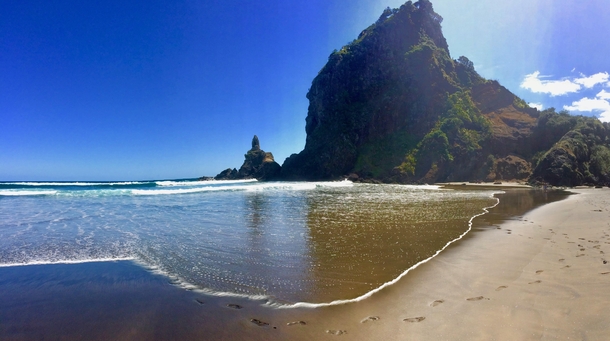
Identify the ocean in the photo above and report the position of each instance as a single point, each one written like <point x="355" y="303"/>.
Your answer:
<point x="291" y="243"/>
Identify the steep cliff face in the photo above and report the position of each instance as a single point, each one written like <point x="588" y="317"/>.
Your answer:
<point x="394" y="106"/>
<point x="387" y="82"/>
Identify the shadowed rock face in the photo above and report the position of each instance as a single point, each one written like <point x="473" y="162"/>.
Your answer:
<point x="258" y="164"/>
<point x="393" y="106"/>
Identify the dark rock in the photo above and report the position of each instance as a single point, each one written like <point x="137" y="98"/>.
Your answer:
<point x="393" y="106"/>
<point x="258" y="164"/>
<point x="255" y="143"/>
<point x="227" y="174"/>
<point x="512" y="167"/>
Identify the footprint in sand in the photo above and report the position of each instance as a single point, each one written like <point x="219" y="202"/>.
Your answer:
<point x="565" y="267"/>
<point x="415" y="319"/>
<point x="562" y="259"/>
<point x="535" y="282"/>
<point x="259" y="322"/>
<point x="336" y="332"/>
<point x="605" y="273"/>
<point x="478" y="298"/>
<point x="293" y="323"/>
<point x="234" y="306"/>
<point x="539" y="272"/>
<point x="580" y="255"/>
<point x="370" y="318"/>
<point x="501" y="287"/>
<point x="437" y="302"/>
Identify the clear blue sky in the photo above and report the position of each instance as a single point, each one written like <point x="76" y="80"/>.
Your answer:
<point x="132" y="90"/>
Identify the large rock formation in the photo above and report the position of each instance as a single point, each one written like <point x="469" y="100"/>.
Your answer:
<point x="258" y="164"/>
<point x="394" y="106"/>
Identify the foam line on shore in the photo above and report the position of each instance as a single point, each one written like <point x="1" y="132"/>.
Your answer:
<point x="76" y="183"/>
<point x="79" y="261"/>
<point x="14" y="193"/>
<point x="387" y="284"/>
<point x="182" y="283"/>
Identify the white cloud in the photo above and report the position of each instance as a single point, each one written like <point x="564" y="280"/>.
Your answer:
<point x="533" y="83"/>
<point x="593" y="80"/>
<point x="538" y="106"/>
<point x="589" y="104"/>
<point x="603" y="95"/>
<point x="598" y="104"/>
<point x="537" y="84"/>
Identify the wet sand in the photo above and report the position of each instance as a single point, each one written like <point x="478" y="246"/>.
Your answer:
<point x="538" y="275"/>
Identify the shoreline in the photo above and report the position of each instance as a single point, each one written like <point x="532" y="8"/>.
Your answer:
<point x="455" y="293"/>
<point x="540" y="275"/>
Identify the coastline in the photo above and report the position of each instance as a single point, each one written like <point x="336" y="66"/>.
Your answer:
<point x="486" y="287"/>
<point x="540" y="275"/>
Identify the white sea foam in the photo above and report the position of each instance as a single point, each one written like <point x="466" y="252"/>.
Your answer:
<point x="25" y="193"/>
<point x="425" y="187"/>
<point x="241" y="185"/>
<point x="181" y="282"/>
<point x="202" y="183"/>
<point x="125" y="183"/>
<point x="344" y="183"/>
<point x="69" y="261"/>
<point x="186" y="190"/>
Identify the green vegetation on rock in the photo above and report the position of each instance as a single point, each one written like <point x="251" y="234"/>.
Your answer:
<point x="393" y="106"/>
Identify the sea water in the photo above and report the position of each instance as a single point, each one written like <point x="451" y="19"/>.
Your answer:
<point x="287" y="242"/>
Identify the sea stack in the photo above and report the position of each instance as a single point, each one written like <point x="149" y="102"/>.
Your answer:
<point x="258" y="164"/>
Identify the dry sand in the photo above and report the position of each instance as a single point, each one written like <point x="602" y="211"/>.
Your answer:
<point x="542" y="276"/>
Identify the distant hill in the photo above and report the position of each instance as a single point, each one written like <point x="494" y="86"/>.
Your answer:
<point x="393" y="106"/>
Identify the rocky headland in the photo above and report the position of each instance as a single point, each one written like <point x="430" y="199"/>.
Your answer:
<point x="394" y="106"/>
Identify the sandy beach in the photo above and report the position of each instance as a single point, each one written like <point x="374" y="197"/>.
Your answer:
<point x="541" y="275"/>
